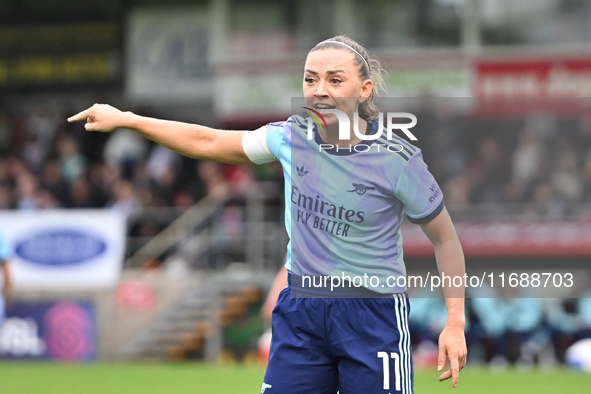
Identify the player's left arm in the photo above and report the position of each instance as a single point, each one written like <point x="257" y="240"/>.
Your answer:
<point x="450" y="260"/>
<point x="7" y="286"/>
<point x="278" y="284"/>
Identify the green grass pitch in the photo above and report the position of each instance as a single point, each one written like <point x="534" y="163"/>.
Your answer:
<point x="41" y="378"/>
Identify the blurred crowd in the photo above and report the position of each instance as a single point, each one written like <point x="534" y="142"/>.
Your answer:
<point x="47" y="163"/>
<point x="505" y="328"/>
<point x="539" y="159"/>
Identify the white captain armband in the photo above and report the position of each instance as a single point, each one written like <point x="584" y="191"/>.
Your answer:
<point x="256" y="147"/>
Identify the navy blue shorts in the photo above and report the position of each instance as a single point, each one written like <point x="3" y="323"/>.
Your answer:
<point x="350" y="345"/>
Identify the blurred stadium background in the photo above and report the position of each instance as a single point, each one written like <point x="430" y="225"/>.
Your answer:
<point x="124" y="251"/>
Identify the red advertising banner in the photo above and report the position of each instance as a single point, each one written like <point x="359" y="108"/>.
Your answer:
<point x="561" y="86"/>
<point x="505" y="238"/>
<point x="534" y="78"/>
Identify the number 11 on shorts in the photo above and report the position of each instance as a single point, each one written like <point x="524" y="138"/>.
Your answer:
<point x="386" y="368"/>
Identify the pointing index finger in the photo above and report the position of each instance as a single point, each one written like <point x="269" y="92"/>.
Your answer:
<point x="79" y="116"/>
<point x="455" y="371"/>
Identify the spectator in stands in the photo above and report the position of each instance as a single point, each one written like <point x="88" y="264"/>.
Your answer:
<point x="163" y="189"/>
<point x="162" y="164"/>
<point x="41" y="128"/>
<point x="491" y="313"/>
<point x="102" y="179"/>
<point x="585" y="314"/>
<point x="52" y="181"/>
<point x="563" y="320"/>
<point x="211" y="174"/>
<point x="524" y="321"/>
<point x="124" y="149"/>
<point x="126" y="201"/>
<point x="28" y="191"/>
<point x="428" y="314"/>
<point x="490" y="172"/>
<point x="526" y="158"/>
<point x="80" y="194"/>
<point x="457" y="192"/>
<point x="183" y="200"/>
<point x="587" y="178"/>
<point x="582" y="139"/>
<point x="72" y="163"/>
<point x="566" y="179"/>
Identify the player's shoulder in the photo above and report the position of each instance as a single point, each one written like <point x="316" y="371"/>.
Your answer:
<point x="297" y="123"/>
<point x="404" y="150"/>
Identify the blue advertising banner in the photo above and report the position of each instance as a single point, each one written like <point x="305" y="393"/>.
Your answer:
<point x="61" y="331"/>
<point x="65" y="249"/>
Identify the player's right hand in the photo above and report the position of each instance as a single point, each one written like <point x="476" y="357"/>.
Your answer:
<point x="101" y="117"/>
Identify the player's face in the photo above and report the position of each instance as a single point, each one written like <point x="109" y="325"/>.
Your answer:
<point x="332" y="81"/>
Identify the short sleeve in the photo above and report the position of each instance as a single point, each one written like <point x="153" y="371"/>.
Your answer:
<point x="418" y="191"/>
<point x="256" y="147"/>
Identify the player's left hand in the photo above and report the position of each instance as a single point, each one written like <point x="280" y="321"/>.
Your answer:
<point x="452" y="344"/>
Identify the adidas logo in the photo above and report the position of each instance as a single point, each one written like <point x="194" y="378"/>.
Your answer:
<point x="301" y="171"/>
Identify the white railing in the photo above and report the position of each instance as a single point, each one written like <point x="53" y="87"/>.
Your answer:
<point x="197" y="234"/>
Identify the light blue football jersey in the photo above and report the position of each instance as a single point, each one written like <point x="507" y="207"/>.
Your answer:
<point x="344" y="207"/>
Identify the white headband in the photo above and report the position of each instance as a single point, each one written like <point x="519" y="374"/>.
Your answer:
<point x="351" y="48"/>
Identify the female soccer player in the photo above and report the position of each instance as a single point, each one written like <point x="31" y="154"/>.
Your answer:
<point x="344" y="206"/>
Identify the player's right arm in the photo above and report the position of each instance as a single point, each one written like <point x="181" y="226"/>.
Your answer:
<point x="198" y="142"/>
